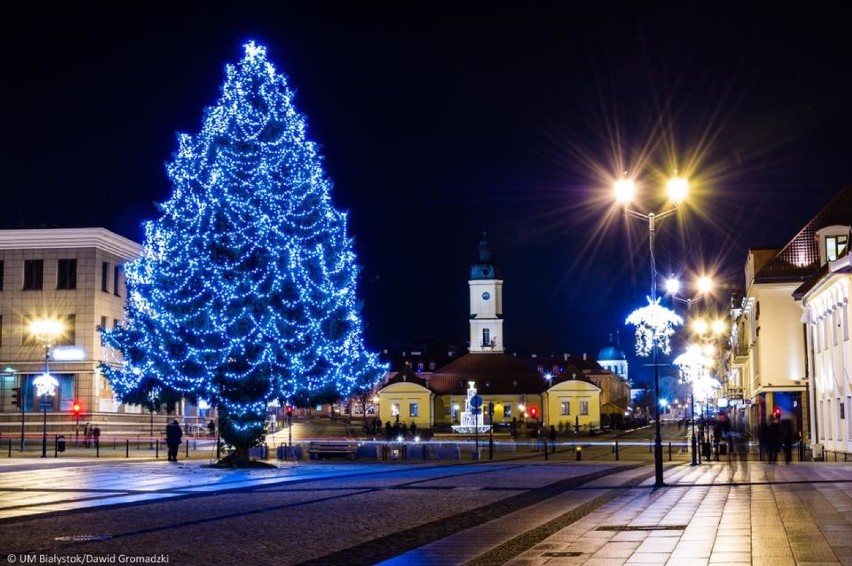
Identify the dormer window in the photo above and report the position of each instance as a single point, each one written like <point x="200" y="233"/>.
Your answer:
<point x="835" y="246"/>
<point x="833" y="241"/>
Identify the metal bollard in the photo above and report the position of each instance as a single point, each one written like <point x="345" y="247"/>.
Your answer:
<point x="10" y="448"/>
<point x="615" y="449"/>
<point x="579" y="451"/>
<point x="187" y="450"/>
<point x="127" y="448"/>
<point x="670" y="451"/>
<point x="157" y="449"/>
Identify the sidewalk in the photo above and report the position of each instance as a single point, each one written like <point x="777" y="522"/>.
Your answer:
<point x="760" y="514"/>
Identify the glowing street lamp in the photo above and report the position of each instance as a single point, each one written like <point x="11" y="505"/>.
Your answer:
<point x="45" y="331"/>
<point x="704" y="286"/>
<point x="654" y="323"/>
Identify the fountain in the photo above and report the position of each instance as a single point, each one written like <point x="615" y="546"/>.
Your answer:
<point x="470" y="423"/>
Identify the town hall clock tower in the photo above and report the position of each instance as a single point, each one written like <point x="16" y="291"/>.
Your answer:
<point x="486" y="303"/>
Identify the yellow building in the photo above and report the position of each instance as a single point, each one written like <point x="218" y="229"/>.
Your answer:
<point x="406" y="398"/>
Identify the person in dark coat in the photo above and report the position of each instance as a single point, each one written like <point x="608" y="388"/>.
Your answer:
<point x="173" y="439"/>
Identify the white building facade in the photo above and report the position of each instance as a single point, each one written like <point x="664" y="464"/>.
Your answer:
<point x="826" y="316"/>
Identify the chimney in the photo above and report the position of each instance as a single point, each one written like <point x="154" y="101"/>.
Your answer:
<point x="585" y="356"/>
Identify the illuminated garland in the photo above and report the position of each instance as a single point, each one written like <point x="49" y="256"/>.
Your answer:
<point x="654" y="325"/>
<point x="245" y="293"/>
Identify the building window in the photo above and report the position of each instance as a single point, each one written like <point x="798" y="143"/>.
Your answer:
<point x="105" y="277"/>
<point x="565" y="407"/>
<point x="104" y="322"/>
<point x="66" y="274"/>
<point x="395" y="408"/>
<point x="431" y="366"/>
<point x="33" y="274"/>
<point x="835" y="246"/>
<point x="486" y="337"/>
<point x="507" y="410"/>
<point x="419" y="366"/>
<point x="835" y="322"/>
<point x="69" y="330"/>
<point x="115" y="322"/>
<point x="412" y="409"/>
<point x="116" y="275"/>
<point x="584" y="407"/>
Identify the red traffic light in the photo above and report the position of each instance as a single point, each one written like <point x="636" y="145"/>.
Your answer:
<point x="534" y="411"/>
<point x="777" y="412"/>
<point x="77" y="409"/>
<point x="289" y="410"/>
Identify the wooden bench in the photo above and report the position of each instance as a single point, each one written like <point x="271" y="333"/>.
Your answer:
<point x="320" y="448"/>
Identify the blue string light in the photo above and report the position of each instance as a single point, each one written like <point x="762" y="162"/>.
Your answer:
<point x="245" y="292"/>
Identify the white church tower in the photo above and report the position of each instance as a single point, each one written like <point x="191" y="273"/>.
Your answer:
<point x="486" y="304"/>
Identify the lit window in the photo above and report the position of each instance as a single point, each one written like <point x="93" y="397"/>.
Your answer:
<point x="584" y="407"/>
<point x="395" y="409"/>
<point x="507" y="410"/>
<point x="412" y="410"/>
<point x="565" y="408"/>
<point x="835" y="246"/>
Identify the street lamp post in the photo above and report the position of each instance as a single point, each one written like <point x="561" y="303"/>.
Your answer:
<point x="704" y="286"/>
<point x="653" y="325"/>
<point x="46" y="331"/>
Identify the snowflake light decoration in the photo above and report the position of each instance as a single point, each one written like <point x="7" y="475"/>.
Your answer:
<point x="45" y="385"/>
<point x="654" y="325"/>
<point x="691" y="363"/>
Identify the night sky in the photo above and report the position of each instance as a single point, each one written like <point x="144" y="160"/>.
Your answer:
<point x="439" y="122"/>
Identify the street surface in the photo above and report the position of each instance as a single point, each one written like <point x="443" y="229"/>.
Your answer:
<point x="518" y="511"/>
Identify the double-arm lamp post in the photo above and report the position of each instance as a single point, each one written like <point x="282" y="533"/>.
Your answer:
<point x="704" y="286"/>
<point x="654" y="323"/>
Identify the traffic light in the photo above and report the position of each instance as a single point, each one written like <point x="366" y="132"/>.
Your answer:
<point x="534" y="412"/>
<point x="16" y="397"/>
<point x="76" y="409"/>
<point x="777" y="412"/>
<point x="289" y="410"/>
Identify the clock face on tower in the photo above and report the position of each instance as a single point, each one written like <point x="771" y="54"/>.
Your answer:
<point x="486" y="295"/>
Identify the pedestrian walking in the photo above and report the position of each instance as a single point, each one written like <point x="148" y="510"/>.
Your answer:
<point x="174" y="434"/>
<point x="774" y="440"/>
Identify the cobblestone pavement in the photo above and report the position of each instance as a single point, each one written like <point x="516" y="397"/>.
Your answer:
<point x="524" y="512"/>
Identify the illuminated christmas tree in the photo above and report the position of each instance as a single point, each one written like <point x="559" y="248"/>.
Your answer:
<point x="245" y="292"/>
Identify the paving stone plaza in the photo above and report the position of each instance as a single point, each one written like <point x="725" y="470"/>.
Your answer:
<point x="478" y="513"/>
